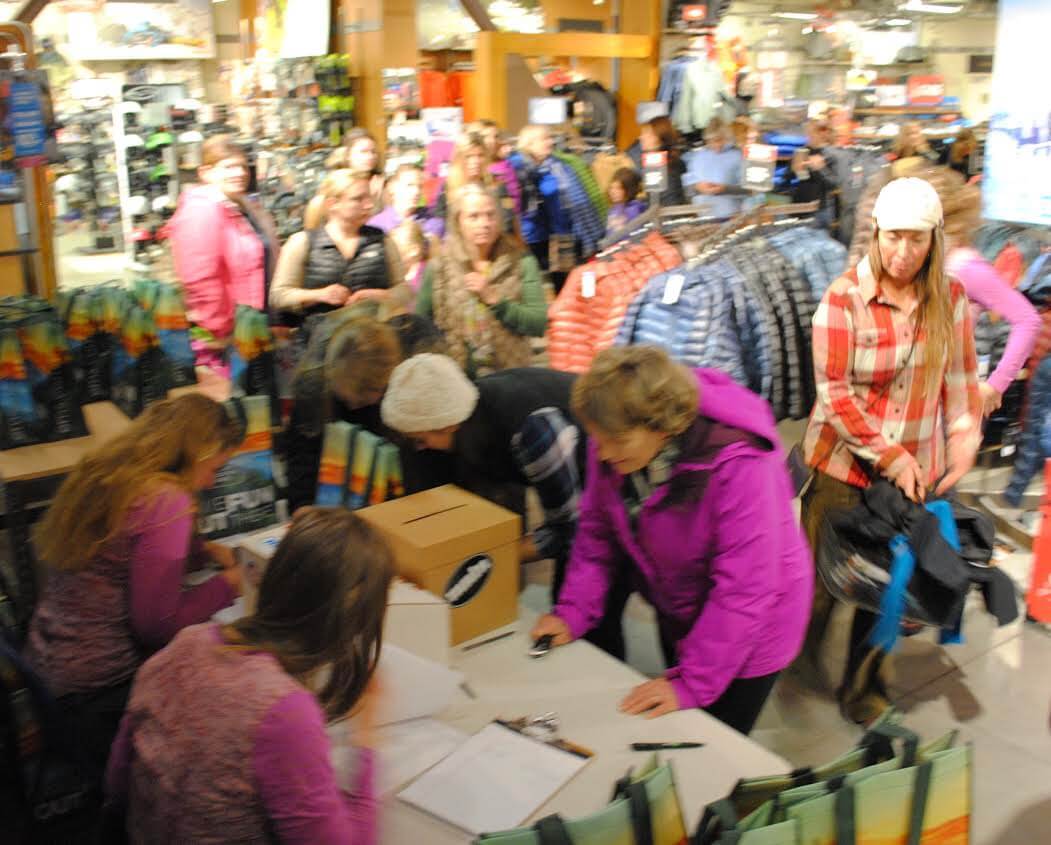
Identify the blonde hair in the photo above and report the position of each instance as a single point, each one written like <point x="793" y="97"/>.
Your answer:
<point x="457" y="176"/>
<point x="335" y="185"/>
<point x="338" y="159"/>
<point x="965" y="136"/>
<point x="528" y="135"/>
<point x="741" y="128"/>
<point x="904" y="146"/>
<point x="410" y="234"/>
<point x="220" y="148"/>
<point x="633" y="387"/>
<point x="160" y="448"/>
<point x="934" y="315"/>
<point x="961" y="203"/>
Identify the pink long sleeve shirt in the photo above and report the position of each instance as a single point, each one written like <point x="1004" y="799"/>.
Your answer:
<point x="96" y="625"/>
<point x="989" y="291"/>
<point x="220" y="745"/>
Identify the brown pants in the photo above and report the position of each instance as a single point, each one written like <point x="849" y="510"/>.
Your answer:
<point x="861" y="677"/>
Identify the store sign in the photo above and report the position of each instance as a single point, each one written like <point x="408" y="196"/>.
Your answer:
<point x="27" y="122"/>
<point x="760" y="164"/>
<point x="1016" y="183"/>
<point x="655" y="172"/>
<point x="926" y="90"/>
<point x="548" y="111"/>
<point x="891" y="96"/>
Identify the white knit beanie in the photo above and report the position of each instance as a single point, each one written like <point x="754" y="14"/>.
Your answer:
<point x="427" y="392"/>
<point x="908" y="203"/>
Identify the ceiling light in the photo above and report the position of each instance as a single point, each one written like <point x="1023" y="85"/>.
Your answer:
<point x="795" y="16"/>
<point x="898" y="22"/>
<point x="929" y="8"/>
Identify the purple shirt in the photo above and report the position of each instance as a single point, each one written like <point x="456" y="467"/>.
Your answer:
<point x="990" y="291"/>
<point x="388" y="220"/>
<point x="95" y="625"/>
<point x="220" y="745"/>
<point x="623" y="213"/>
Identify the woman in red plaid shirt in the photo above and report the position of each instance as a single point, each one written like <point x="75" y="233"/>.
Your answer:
<point x="897" y="395"/>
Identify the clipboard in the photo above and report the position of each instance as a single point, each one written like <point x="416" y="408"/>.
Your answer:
<point x="496" y="780"/>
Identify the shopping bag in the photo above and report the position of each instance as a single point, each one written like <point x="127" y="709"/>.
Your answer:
<point x="49" y="370"/>
<point x="244" y="497"/>
<point x="20" y="423"/>
<point x="91" y="346"/>
<point x="333" y="472"/>
<point x="173" y="331"/>
<point x="141" y="373"/>
<point x="645" y="811"/>
<point x="362" y="469"/>
<point x="252" y="362"/>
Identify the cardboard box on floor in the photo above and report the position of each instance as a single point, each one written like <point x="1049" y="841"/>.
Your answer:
<point x="459" y="547"/>
<point x="417" y="621"/>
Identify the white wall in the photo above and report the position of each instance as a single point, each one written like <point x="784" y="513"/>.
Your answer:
<point x="973" y="89"/>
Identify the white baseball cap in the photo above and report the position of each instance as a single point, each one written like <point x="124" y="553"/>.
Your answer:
<point x="908" y="203"/>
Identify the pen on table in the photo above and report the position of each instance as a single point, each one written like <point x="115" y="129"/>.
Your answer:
<point x="664" y="746"/>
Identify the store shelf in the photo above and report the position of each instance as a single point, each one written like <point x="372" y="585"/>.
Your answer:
<point x="908" y="110"/>
<point x="7" y="253"/>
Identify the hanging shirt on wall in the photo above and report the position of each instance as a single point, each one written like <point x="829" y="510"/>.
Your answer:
<point x="703" y="94"/>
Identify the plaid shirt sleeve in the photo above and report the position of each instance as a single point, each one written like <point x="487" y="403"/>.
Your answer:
<point x="833" y="340"/>
<point x="545" y="449"/>
<point x="960" y="397"/>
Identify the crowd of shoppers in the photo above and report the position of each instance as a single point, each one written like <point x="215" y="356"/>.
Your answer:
<point x="420" y="324"/>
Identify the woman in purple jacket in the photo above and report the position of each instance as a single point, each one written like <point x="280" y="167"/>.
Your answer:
<point x="686" y="479"/>
<point x="225" y="736"/>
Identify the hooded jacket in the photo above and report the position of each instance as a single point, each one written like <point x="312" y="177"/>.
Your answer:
<point x="717" y="550"/>
<point x="220" y="258"/>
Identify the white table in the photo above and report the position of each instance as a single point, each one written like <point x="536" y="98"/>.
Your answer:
<point x="583" y="685"/>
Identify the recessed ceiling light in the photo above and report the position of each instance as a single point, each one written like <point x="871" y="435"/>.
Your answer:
<point x="929" y="8"/>
<point x="898" y="22"/>
<point x="795" y="16"/>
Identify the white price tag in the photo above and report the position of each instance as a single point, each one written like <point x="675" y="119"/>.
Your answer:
<point x="673" y="289"/>
<point x="1007" y="451"/>
<point x="587" y="284"/>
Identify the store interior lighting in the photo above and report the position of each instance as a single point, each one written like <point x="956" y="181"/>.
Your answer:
<point x="898" y="22"/>
<point x="795" y="16"/>
<point x="929" y="8"/>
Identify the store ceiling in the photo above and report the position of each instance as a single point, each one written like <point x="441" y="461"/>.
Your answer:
<point x="888" y="9"/>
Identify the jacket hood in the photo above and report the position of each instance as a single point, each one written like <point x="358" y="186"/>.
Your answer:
<point x="726" y="402"/>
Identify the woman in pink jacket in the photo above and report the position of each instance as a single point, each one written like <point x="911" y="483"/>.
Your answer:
<point x="225" y="248"/>
<point x="686" y="482"/>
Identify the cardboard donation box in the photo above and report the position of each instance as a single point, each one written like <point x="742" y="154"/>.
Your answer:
<point x="254" y="553"/>
<point x="460" y="547"/>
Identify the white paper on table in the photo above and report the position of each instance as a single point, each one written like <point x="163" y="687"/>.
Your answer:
<point x="494" y="781"/>
<point x="412" y="686"/>
<point x="408" y="749"/>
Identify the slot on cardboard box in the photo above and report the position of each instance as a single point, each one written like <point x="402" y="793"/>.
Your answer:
<point x="460" y="547"/>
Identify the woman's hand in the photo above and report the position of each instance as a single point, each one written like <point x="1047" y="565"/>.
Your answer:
<point x="369" y="293"/>
<point x="962" y="454"/>
<point x="478" y="284"/>
<point x="554" y="626"/>
<point x="909" y="479"/>
<point x="233" y="578"/>
<point x="332" y="295"/>
<point x="991" y="398"/>
<point x="224" y="556"/>
<point x="654" y="698"/>
<point x="365" y="714"/>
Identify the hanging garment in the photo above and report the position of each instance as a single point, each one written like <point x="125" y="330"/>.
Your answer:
<point x="587" y="179"/>
<point x="704" y="95"/>
<point x="817" y="256"/>
<point x="580" y="326"/>
<point x="586" y="225"/>
<point x="605" y="165"/>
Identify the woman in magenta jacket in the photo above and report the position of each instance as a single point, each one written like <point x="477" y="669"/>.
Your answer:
<point x="686" y="481"/>
<point x="224" y="247"/>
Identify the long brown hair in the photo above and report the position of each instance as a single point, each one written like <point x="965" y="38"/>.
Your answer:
<point x="321" y="606"/>
<point x="934" y="317"/>
<point x="160" y="448"/>
<point x="668" y="135"/>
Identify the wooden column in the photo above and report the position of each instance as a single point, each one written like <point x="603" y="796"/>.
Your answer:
<point x="638" y="80"/>
<point x="377" y="34"/>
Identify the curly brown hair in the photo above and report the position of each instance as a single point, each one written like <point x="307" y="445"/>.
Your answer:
<point x="631" y="387"/>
